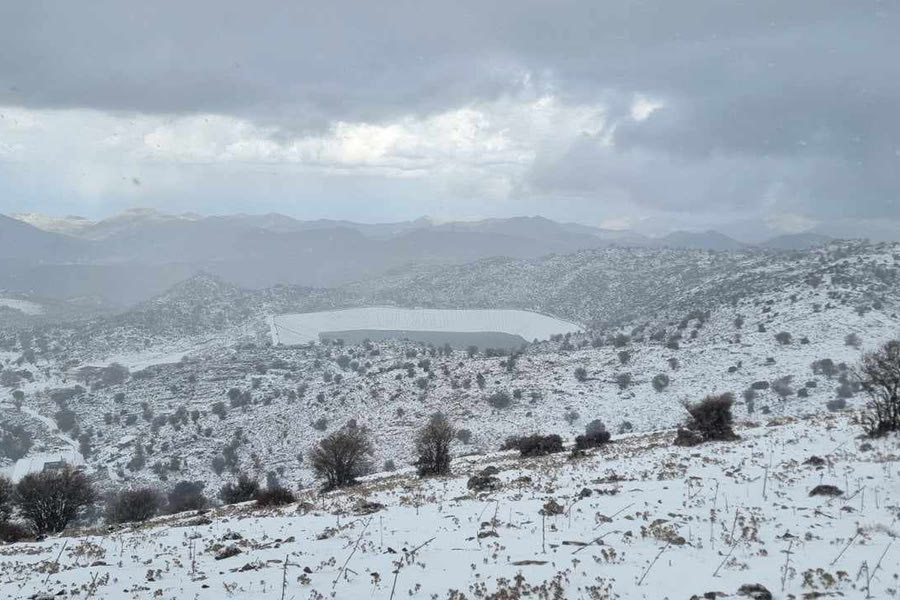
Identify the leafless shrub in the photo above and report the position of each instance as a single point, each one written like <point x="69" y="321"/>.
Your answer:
<point x="276" y="495"/>
<point x="711" y="418"/>
<point x="242" y="490"/>
<point x="133" y="506"/>
<point x="342" y="457"/>
<point x="879" y="375"/>
<point x="433" y="446"/>
<point x="50" y="500"/>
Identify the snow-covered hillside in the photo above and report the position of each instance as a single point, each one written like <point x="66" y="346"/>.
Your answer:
<point x="635" y="519"/>
<point x="200" y="394"/>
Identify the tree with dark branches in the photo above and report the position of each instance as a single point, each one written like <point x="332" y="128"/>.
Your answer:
<point x="878" y="373"/>
<point x="50" y="500"/>
<point x="433" y="446"/>
<point x="6" y="498"/>
<point x="342" y="457"/>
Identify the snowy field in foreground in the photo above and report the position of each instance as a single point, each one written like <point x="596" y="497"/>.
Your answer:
<point x="638" y="519"/>
<point x="303" y="328"/>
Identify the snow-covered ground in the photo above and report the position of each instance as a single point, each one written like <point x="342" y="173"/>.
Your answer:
<point x="636" y="519"/>
<point x="306" y="327"/>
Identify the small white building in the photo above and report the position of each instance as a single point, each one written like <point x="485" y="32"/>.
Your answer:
<point x="49" y="461"/>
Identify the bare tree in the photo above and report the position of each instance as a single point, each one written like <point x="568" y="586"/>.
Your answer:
<point x="433" y="446"/>
<point x="6" y="498"/>
<point x="878" y="373"/>
<point x="342" y="457"/>
<point x="51" y="500"/>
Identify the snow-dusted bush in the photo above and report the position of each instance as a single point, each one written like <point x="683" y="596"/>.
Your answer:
<point x="879" y="376"/>
<point x="186" y="495"/>
<point x="65" y="419"/>
<point x="660" y="382"/>
<point x="621" y="340"/>
<point x="782" y="386"/>
<point x="243" y="489"/>
<point x="824" y="366"/>
<point x="50" y="500"/>
<point x="499" y="400"/>
<point x="852" y="339"/>
<point x="6" y="498"/>
<point x="581" y="374"/>
<point x="539" y="445"/>
<point x="595" y="435"/>
<point x="342" y="457"/>
<point x="433" y="446"/>
<point x="783" y="337"/>
<point x="133" y="506"/>
<point x="711" y="418"/>
<point x="276" y="495"/>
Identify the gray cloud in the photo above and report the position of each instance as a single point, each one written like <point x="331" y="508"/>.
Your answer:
<point x="767" y="107"/>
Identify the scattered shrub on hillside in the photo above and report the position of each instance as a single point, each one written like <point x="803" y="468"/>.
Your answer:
<point x="133" y="506"/>
<point x="187" y="495"/>
<point x="499" y="400"/>
<point x="621" y="340"/>
<point x="759" y="385"/>
<point x="539" y="445"/>
<point x="243" y="489"/>
<point x="852" y="339"/>
<point x="15" y="441"/>
<point x="571" y="416"/>
<point x="6" y="498"/>
<point x="276" y="495"/>
<point x="595" y="435"/>
<point x="673" y="363"/>
<point x="218" y="409"/>
<point x="625" y="427"/>
<point x="879" y="376"/>
<point x="836" y="404"/>
<point x="782" y="386"/>
<point x="65" y="420"/>
<point x="433" y="446"/>
<point x="660" y="382"/>
<point x="12" y="533"/>
<point x="623" y="380"/>
<point x="50" y="500"/>
<point x="320" y="424"/>
<point x="710" y="419"/>
<point x="389" y="465"/>
<point x="844" y="390"/>
<point x="783" y="337"/>
<point x="464" y="435"/>
<point x="624" y="356"/>
<point x="824" y="366"/>
<point x="479" y="379"/>
<point x="581" y="374"/>
<point x="342" y="457"/>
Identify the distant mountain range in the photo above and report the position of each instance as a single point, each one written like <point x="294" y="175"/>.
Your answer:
<point x="131" y="256"/>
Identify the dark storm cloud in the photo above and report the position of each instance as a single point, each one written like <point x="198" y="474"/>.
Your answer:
<point x="767" y="105"/>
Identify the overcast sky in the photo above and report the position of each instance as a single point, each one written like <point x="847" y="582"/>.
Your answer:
<point x="765" y="115"/>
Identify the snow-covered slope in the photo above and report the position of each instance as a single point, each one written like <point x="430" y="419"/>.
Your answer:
<point x="636" y="519"/>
